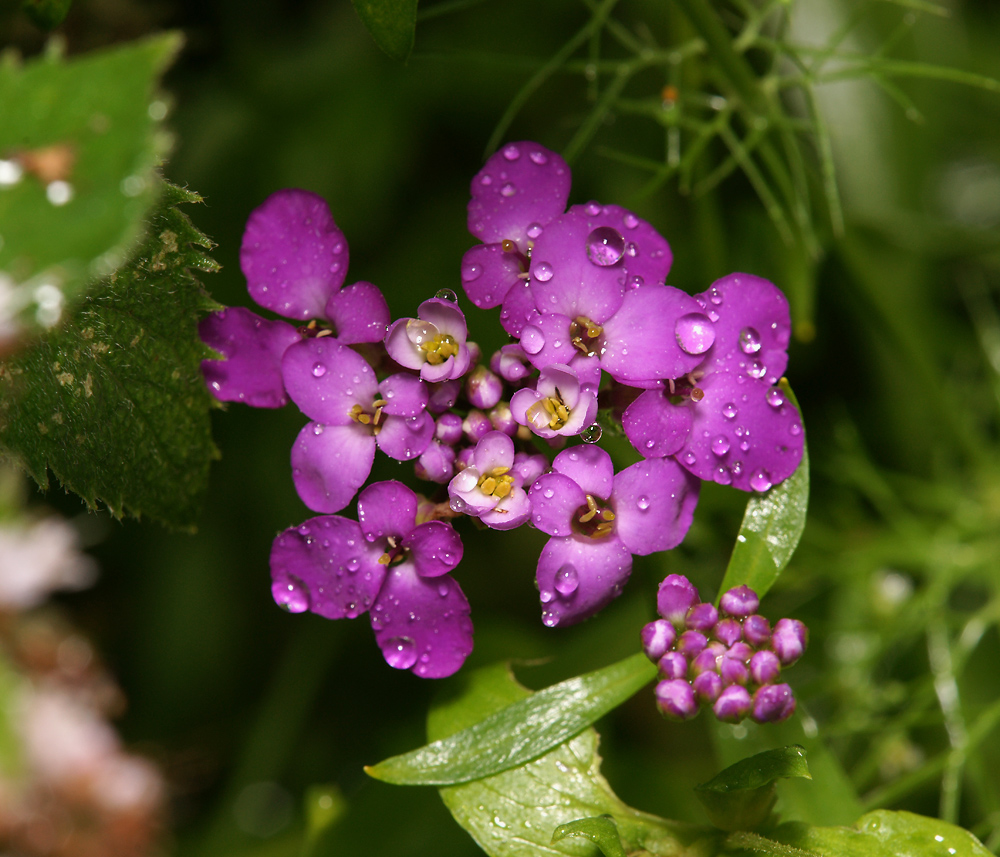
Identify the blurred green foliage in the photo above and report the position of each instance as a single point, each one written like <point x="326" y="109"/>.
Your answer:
<point x="897" y="369"/>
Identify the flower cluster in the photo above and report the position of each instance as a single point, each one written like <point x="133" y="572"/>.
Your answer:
<point x="595" y="334"/>
<point x="729" y="658"/>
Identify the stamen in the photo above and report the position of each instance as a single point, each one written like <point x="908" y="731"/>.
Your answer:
<point x="497" y="483"/>
<point x="595" y="521"/>
<point x="439" y="348"/>
<point x="549" y="412"/>
<point x="583" y="334"/>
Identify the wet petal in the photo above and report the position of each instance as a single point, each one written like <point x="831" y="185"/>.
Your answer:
<point x="654" y="504"/>
<point x="744" y="433"/>
<point x="405" y="395"/>
<point x="405" y="438"/>
<point x="577" y="576"/>
<point x="546" y="339"/>
<point x="293" y="255"/>
<point x="512" y="511"/>
<point x="494" y="450"/>
<point x="520" y="185"/>
<point x="387" y="509"/>
<point x="647" y="257"/>
<point x="640" y="341"/>
<point x="324" y="565"/>
<point x="326" y="379"/>
<point x="518" y="308"/>
<point x="446" y="317"/>
<point x="488" y="273"/>
<point x="555" y="498"/>
<point x="359" y="313"/>
<point x="253" y="348"/>
<point x="330" y="464"/>
<point x="590" y="467"/>
<point x="654" y="426"/>
<point x="422" y="624"/>
<point x="436" y="548"/>
<point x="752" y="329"/>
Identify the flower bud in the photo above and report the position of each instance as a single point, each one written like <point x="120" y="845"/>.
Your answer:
<point x="789" y="640"/>
<point x="483" y="389"/>
<point x="739" y="601"/>
<point x="764" y="667"/>
<point x="675" y="699"/>
<point x="448" y="429"/>
<point x="657" y="639"/>
<point x="675" y="597"/>
<point x="707" y="686"/>
<point x="733" y="704"/>
<point x="757" y="630"/>
<point x="691" y="643"/>
<point x="476" y="426"/>
<point x="728" y="631"/>
<point x="702" y="617"/>
<point x="773" y="703"/>
<point x="673" y="665"/>
<point x="503" y="420"/>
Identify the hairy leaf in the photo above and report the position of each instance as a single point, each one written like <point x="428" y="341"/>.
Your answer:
<point x="113" y="403"/>
<point x="78" y="147"/>
<point x="520" y="731"/>
<point x="771" y="529"/>
<point x="392" y="23"/>
<point x="517" y="812"/>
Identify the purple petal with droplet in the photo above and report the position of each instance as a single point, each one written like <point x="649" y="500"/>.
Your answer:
<point x="509" y="194"/>
<point x="436" y="548"/>
<point x="253" y="348"/>
<point x="655" y="426"/>
<point x="359" y="313"/>
<point x="590" y="467"/>
<point x="326" y="560"/>
<point x="330" y="464"/>
<point x="518" y="308"/>
<point x="654" y="502"/>
<point x="512" y="511"/>
<point x="387" y="509"/>
<point x="602" y="567"/>
<point x="293" y="254"/>
<point x="647" y="253"/>
<point x="405" y="395"/>
<point x="640" y="341"/>
<point x="550" y="331"/>
<point x="326" y="379"/>
<point x="488" y="273"/>
<point x="555" y="499"/>
<point x="422" y="624"/>
<point x="405" y="438"/>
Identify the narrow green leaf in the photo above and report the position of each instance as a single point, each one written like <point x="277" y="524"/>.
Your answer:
<point x="114" y="402"/>
<point x="520" y="731"/>
<point x="771" y="529"/>
<point x="885" y="833"/>
<point x="46" y="14"/>
<point x="78" y="148"/>
<point x="602" y="831"/>
<point x="392" y="24"/>
<point x="517" y="812"/>
<point x="742" y="796"/>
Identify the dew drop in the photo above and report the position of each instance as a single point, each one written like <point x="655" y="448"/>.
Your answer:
<point x="486" y="181"/>
<point x="775" y="398"/>
<point x="532" y="339"/>
<point x="756" y="369"/>
<point x="760" y="480"/>
<point x="591" y="434"/>
<point x="292" y="595"/>
<point x="714" y="296"/>
<point x="720" y="445"/>
<point x="690" y="458"/>
<point x="549" y="619"/>
<point x="694" y="332"/>
<point x="545" y="596"/>
<point x="539" y="158"/>
<point x="400" y="652"/>
<point x="749" y="340"/>
<point x="353" y="564"/>
<point x="548" y="493"/>
<point x="443" y="590"/>
<point x="631" y="221"/>
<point x="508" y="190"/>
<point x="446" y="295"/>
<point x="729" y="411"/>
<point x="533" y="230"/>
<point x="745" y="445"/>
<point x="650" y="443"/>
<point x="592" y="208"/>
<point x="722" y="475"/>
<point x="642" y="502"/>
<point x="318" y="428"/>
<point x="511" y="152"/>
<point x="419" y="331"/>
<point x="542" y="272"/>
<point x="795" y="430"/>
<point x="567" y="580"/>
<point x="605" y="246"/>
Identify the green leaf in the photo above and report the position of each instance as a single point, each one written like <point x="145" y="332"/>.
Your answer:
<point x="520" y="731"/>
<point x="114" y="402"/>
<point x="771" y="529"/>
<point x="602" y="831"/>
<point x="392" y="23"/>
<point x="46" y="14"/>
<point x="885" y="833"/>
<point x="517" y="813"/>
<point x="742" y="796"/>
<point x="78" y="147"/>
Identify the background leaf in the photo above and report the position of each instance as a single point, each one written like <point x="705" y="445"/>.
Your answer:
<point x="46" y="14"/>
<point x="392" y="23"/>
<point x="114" y="402"/>
<point x="771" y="529"/>
<point x="515" y="813"/>
<point x="602" y="831"/>
<point x="526" y="728"/>
<point x="79" y="145"/>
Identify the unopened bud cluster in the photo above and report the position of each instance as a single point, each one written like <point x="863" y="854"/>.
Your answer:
<point x="728" y="658"/>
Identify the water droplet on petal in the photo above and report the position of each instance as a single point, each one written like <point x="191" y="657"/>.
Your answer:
<point x="795" y="430"/>
<point x="400" y="652"/>
<point x="567" y="580"/>
<point x="486" y="181"/>
<point x="749" y="340"/>
<point x="318" y="428"/>
<point x="319" y="370"/>
<point x="720" y="445"/>
<point x="508" y="190"/>
<point x="549" y="619"/>
<point x="642" y="502"/>
<point x="539" y="158"/>
<point x="694" y="332"/>
<point x="532" y="339"/>
<point x="756" y="369"/>
<point x="545" y="596"/>
<point x="443" y="590"/>
<point x="631" y="221"/>
<point x="650" y="443"/>
<point x="446" y="295"/>
<point x="592" y="208"/>
<point x="690" y="458"/>
<point x="729" y="411"/>
<point x="591" y="434"/>
<point x="714" y="296"/>
<point x="605" y="246"/>
<point x="722" y="475"/>
<point x="775" y="398"/>
<point x="419" y="331"/>
<point x="534" y="230"/>
<point x="760" y="480"/>
<point x="542" y="272"/>
<point x="292" y="595"/>
<point x="511" y="152"/>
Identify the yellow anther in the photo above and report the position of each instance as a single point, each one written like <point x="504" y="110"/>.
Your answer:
<point x="439" y="348"/>
<point x="592" y="511"/>
<point x="496" y="483"/>
<point x="385" y="559"/>
<point x="602" y="530"/>
<point x="489" y="485"/>
<point x="503" y="488"/>
<point x="583" y="334"/>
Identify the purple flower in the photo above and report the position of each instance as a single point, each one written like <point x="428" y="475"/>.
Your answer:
<point x="352" y="414"/>
<point x="597" y="519"/>
<point x="434" y="343"/>
<point x="385" y="564"/>
<point x="520" y="189"/>
<point x="490" y="488"/>
<point x="725" y="420"/>
<point x="294" y="258"/>
<point x="557" y="406"/>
